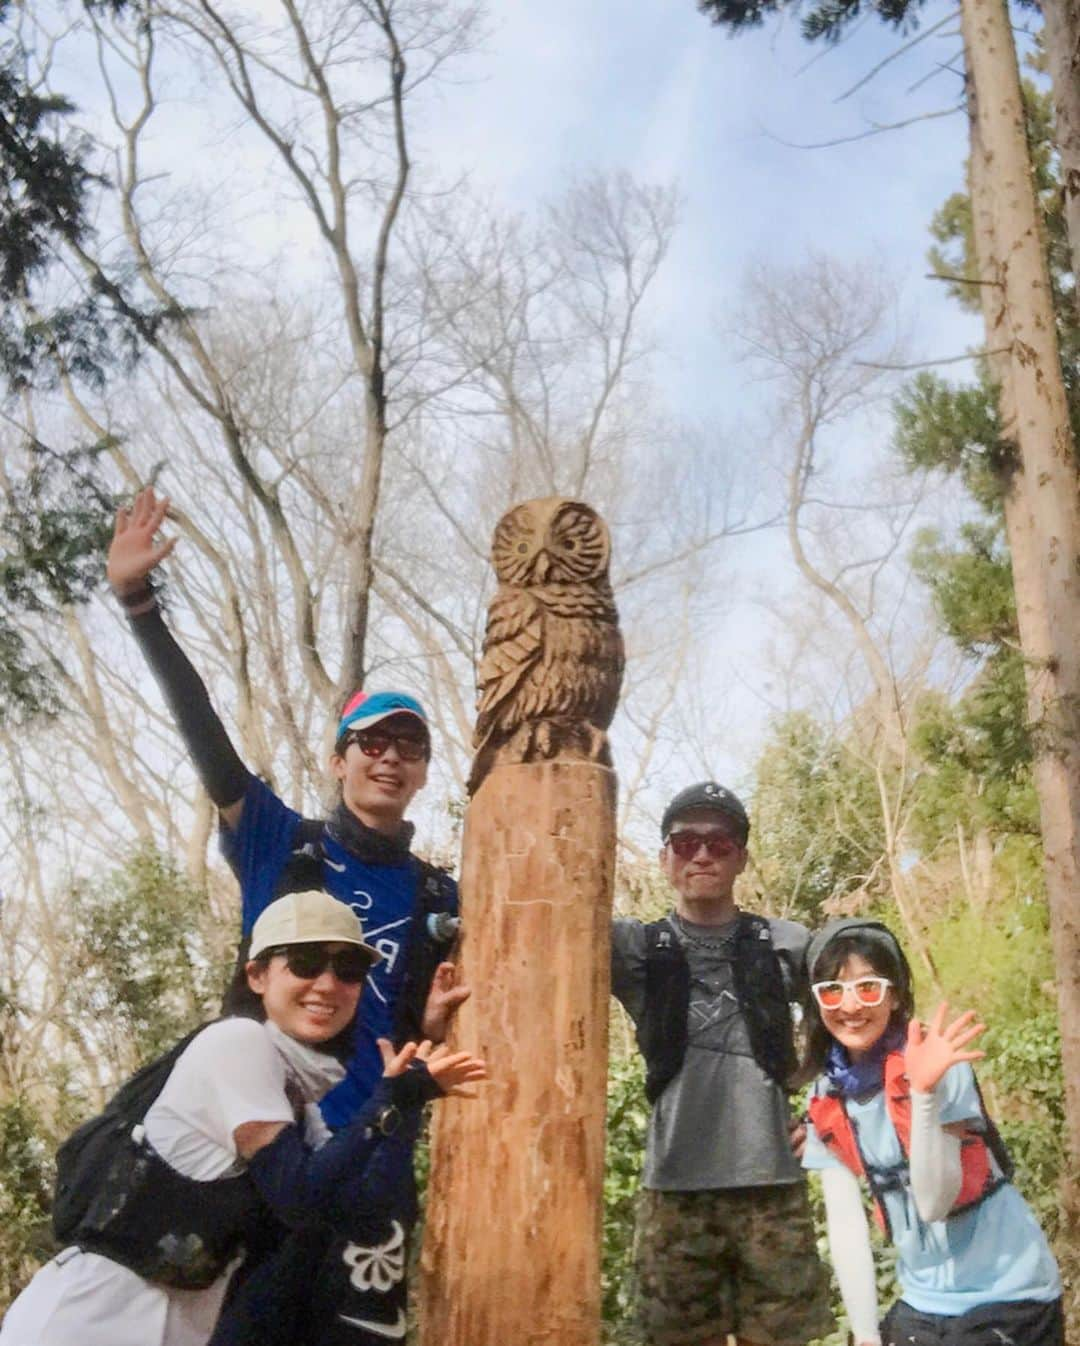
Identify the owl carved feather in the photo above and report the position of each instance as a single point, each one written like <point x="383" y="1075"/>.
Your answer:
<point x="553" y="656"/>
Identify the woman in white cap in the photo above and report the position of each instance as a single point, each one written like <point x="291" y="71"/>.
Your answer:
<point x="896" y="1105"/>
<point x="232" y="1138"/>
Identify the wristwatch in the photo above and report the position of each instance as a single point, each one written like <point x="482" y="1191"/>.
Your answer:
<point x="387" y="1120"/>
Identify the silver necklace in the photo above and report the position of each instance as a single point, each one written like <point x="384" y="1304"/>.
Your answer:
<point x="710" y="945"/>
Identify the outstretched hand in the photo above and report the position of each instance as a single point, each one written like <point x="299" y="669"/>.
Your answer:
<point x="451" y="1071"/>
<point x="932" y="1050"/>
<point x="444" y="1000"/>
<point x="133" y="553"/>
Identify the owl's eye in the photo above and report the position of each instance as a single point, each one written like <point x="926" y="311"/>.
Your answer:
<point x="570" y="545"/>
<point x="523" y="547"/>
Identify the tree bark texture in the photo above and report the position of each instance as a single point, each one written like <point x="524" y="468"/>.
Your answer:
<point x="512" y="1234"/>
<point x="1042" y="497"/>
<point x="1061" y="35"/>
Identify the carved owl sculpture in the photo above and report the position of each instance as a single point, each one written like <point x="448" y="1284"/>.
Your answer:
<point x="553" y="654"/>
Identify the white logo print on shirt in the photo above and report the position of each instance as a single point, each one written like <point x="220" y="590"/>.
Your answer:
<point x="379" y="1267"/>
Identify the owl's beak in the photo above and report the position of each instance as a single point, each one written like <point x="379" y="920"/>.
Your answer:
<point x="542" y="567"/>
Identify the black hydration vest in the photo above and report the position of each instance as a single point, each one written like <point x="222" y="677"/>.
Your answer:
<point x="115" y="1196"/>
<point x="759" y="988"/>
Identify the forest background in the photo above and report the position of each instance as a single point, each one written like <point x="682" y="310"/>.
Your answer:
<point x="348" y="279"/>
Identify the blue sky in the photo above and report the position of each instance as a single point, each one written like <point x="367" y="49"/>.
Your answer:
<point x="563" y="88"/>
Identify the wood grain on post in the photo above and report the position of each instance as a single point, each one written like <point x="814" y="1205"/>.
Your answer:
<point x="512" y="1233"/>
<point x="511" y="1248"/>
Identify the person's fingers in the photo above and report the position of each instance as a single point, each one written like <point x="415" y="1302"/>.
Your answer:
<point x="970" y="1056"/>
<point x="395" y="1063"/>
<point x="424" y="1051"/>
<point x="937" y="1023"/>
<point x="968" y="1035"/>
<point x="914" y="1033"/>
<point x="158" y="513"/>
<point x="458" y="1092"/>
<point x="407" y="1054"/>
<point x="163" y="549"/>
<point x="959" y="1022"/>
<point x="444" y="976"/>
<point x="443" y="1060"/>
<point x="142" y="505"/>
<point x="120" y="523"/>
<point x="470" y="1072"/>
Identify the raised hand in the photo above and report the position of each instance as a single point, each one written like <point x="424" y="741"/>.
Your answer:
<point x="133" y="553"/>
<point x="395" y="1063"/>
<point x="451" y="1071"/>
<point x="444" y="1000"/>
<point x="932" y="1050"/>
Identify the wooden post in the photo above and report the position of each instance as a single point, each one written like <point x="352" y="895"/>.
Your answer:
<point x="512" y="1231"/>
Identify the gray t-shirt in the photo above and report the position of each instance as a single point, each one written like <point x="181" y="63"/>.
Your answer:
<point x="721" y="1122"/>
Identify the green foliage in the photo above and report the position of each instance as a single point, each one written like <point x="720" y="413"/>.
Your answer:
<point x="55" y="511"/>
<point x="1000" y="963"/>
<point x="817" y="821"/>
<point x="48" y="193"/>
<point x="25" y="1195"/>
<point x="972" y="586"/>
<point x="43" y="178"/>
<point x="953" y="253"/>
<point x="975" y="760"/>
<point x="141" y="957"/>
<point x="955" y="430"/>
<point x="827" y="19"/>
<point x="627" y="1123"/>
<point x="140" y="954"/>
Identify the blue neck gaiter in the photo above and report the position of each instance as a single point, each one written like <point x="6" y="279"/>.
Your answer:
<point x="853" y="1079"/>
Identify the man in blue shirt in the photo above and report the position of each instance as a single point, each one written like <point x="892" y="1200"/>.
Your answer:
<point x="360" y="853"/>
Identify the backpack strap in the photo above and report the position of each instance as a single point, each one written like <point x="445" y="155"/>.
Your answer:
<point x="428" y="945"/>
<point x="992" y="1136"/>
<point x="760" y="986"/>
<point x="662" y="1034"/>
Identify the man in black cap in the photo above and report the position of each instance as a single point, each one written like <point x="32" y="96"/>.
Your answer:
<point x="725" y="1244"/>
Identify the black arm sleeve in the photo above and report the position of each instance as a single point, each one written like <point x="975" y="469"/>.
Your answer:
<point x="223" y="774"/>
<point x="362" y="1167"/>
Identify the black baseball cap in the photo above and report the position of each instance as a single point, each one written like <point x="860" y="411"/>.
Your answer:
<point x="707" y="795"/>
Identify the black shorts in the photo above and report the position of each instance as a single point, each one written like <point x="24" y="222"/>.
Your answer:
<point x="1017" y="1322"/>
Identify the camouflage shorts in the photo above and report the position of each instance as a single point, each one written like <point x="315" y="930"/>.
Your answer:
<point x="742" y="1261"/>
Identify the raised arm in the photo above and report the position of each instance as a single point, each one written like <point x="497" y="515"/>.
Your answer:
<point x="936" y="1171"/>
<point x="133" y="556"/>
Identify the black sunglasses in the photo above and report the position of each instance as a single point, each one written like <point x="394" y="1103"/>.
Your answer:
<point x="375" y="742"/>
<point x="308" y="961"/>
<point x="687" y="844"/>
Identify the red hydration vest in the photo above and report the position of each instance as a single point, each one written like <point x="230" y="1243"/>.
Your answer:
<point x="835" y="1130"/>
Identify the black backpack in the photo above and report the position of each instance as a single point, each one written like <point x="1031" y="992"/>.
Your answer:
<point x="104" y="1141"/>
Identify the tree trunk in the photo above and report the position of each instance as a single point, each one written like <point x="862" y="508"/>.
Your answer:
<point x="512" y="1234"/>
<point x="1042" y="498"/>
<point x="1061" y="36"/>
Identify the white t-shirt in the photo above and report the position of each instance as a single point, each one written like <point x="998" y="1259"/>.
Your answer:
<point x="230" y="1074"/>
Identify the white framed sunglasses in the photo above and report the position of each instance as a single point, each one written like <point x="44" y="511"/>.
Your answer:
<point x="868" y="991"/>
